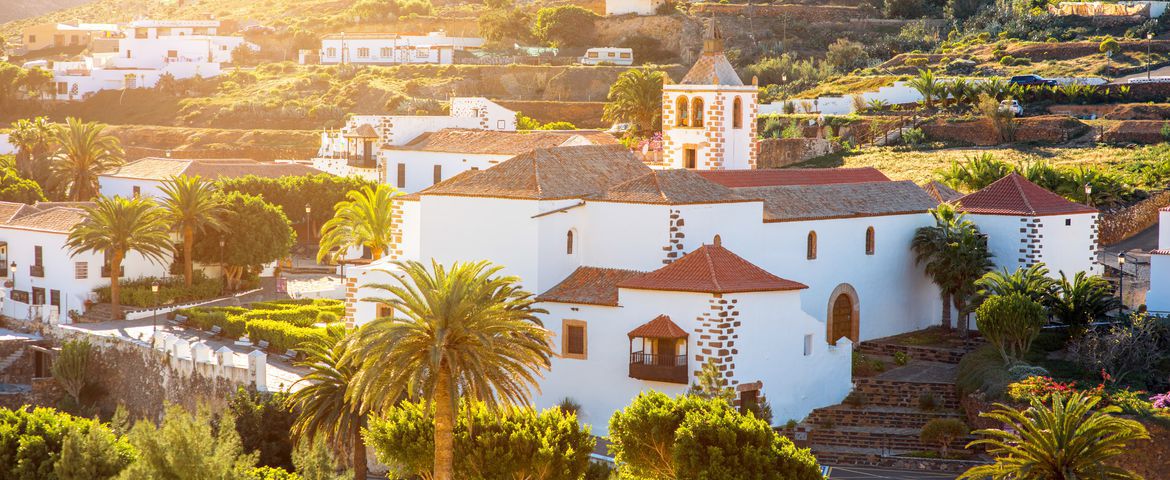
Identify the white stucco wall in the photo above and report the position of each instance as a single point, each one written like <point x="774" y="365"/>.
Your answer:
<point x="1158" y="298"/>
<point x="770" y="349"/>
<point x="1069" y="248"/>
<point x="737" y="142"/>
<point x="636" y="7"/>
<point x="124" y="187"/>
<point x="420" y="166"/>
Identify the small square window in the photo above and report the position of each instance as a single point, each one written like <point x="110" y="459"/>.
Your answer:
<point x="1068" y="222"/>
<point x="808" y="344"/>
<point x="574" y="343"/>
<point x="81" y="270"/>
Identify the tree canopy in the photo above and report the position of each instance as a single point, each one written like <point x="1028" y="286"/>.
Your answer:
<point x="14" y="188"/>
<point x="566" y="26"/>
<point x="255" y="233"/>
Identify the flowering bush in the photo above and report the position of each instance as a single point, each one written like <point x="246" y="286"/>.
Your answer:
<point x="1038" y="387"/>
<point x="1161" y="400"/>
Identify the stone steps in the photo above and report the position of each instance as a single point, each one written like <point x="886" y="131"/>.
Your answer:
<point x="887" y="439"/>
<point x="914" y="352"/>
<point x="877" y="416"/>
<point x="906" y="394"/>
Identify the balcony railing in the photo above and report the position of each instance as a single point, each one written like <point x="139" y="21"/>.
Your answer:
<point x="659" y="368"/>
<point x="36" y="271"/>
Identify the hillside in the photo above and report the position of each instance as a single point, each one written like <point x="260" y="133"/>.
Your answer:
<point x="21" y="9"/>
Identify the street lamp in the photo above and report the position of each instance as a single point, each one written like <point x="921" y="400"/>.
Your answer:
<point x="1121" y="283"/>
<point x="1088" y="194"/>
<point x="12" y="274"/>
<point x="308" y="223"/>
<point x="1149" y="40"/>
<point x="154" y="318"/>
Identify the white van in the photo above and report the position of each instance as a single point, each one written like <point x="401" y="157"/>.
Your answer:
<point x="611" y="55"/>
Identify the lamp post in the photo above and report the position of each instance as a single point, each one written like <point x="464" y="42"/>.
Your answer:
<point x="1088" y="195"/>
<point x="12" y="275"/>
<point x="222" y="270"/>
<point x="154" y="318"/>
<point x="1121" y="283"/>
<point x="1149" y="40"/>
<point x="309" y="223"/>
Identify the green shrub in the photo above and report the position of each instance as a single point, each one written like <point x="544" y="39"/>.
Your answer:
<point x="45" y="443"/>
<point x="901" y="358"/>
<point x="943" y="431"/>
<point x="137" y="293"/>
<point x="983" y="370"/>
<point x="281" y="336"/>
<point x="1010" y="323"/>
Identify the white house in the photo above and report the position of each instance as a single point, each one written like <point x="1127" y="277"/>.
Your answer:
<point x="610" y="55"/>
<point x="1026" y="224"/>
<point x="436" y="156"/>
<point x="145" y="176"/>
<point x="1158" y="298"/>
<point x="636" y="7"/>
<point x="355" y="149"/>
<point x="556" y="217"/>
<point x="709" y="118"/>
<point x="390" y="48"/>
<point x="147" y="50"/>
<point x="42" y="280"/>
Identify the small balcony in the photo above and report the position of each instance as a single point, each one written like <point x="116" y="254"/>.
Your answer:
<point x="659" y="368"/>
<point x="36" y="271"/>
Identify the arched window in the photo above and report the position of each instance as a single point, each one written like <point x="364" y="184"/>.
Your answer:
<point x="683" y="118"/>
<point x="737" y="113"/>
<point x="869" y="241"/>
<point x="812" y="245"/>
<point x="569" y="243"/>
<point x="697" y="112"/>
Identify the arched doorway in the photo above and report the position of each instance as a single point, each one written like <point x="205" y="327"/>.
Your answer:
<point x="843" y="316"/>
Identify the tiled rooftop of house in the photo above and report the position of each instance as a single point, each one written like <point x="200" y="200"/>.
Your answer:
<point x="45" y="216"/>
<point x="844" y="200"/>
<point x="155" y="168"/>
<point x="711" y="269"/>
<point x="671" y="187"/>
<point x="660" y="327"/>
<point x="1015" y="195"/>
<point x="793" y="176"/>
<point x="941" y="192"/>
<point x="590" y="286"/>
<point x="491" y="142"/>
<point x="548" y="174"/>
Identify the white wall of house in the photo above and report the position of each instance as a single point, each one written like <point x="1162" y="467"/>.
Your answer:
<point x="1017" y="242"/>
<point x="422" y="169"/>
<point x="770" y="348"/>
<point x="126" y="187"/>
<point x="636" y="7"/>
<point x="1158" y="298"/>
<point x="61" y="273"/>
<point x="382" y="51"/>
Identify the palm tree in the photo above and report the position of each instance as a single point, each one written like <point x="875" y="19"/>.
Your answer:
<point x="85" y="151"/>
<point x="1066" y="441"/>
<point x="33" y="139"/>
<point x="636" y="97"/>
<point x="954" y="254"/>
<point x="364" y="220"/>
<point x="460" y="331"/>
<point x="1032" y="282"/>
<point x="192" y="207"/>
<point x="1082" y="301"/>
<point x="323" y="409"/>
<point x="927" y="86"/>
<point x="117" y="226"/>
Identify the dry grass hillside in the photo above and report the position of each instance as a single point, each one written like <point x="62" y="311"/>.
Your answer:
<point x="20" y="9"/>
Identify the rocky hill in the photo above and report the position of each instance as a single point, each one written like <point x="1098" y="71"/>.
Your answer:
<point x="21" y="9"/>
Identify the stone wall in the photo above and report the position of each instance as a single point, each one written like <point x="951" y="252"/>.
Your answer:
<point x="781" y="152"/>
<point x="1136" y="131"/>
<point x="1125" y="223"/>
<point x="1045" y="129"/>
<point x="1148" y="458"/>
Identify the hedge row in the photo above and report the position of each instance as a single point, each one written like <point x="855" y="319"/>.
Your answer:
<point x="137" y="293"/>
<point x="283" y="324"/>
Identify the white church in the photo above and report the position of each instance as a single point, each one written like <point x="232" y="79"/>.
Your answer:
<point x="648" y="274"/>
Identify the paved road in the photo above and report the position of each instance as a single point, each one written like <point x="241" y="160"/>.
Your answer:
<point x="864" y="473"/>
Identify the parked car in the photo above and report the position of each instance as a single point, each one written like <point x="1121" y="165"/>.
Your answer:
<point x="1012" y="106"/>
<point x="619" y="128"/>
<point x="1030" y="80"/>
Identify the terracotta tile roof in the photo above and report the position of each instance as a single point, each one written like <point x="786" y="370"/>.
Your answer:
<point x="843" y="200"/>
<point x="712" y="68"/>
<point x="548" y="174"/>
<point x="660" y="327"/>
<point x="51" y="219"/>
<point x="10" y="210"/>
<point x="490" y="142"/>
<point x="154" y="168"/>
<point x="711" y="269"/>
<point x="793" y="176"/>
<point x="1160" y="252"/>
<point x="671" y="187"/>
<point x="362" y="131"/>
<point x="1015" y="195"/>
<point x="589" y="285"/>
<point x="941" y="192"/>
